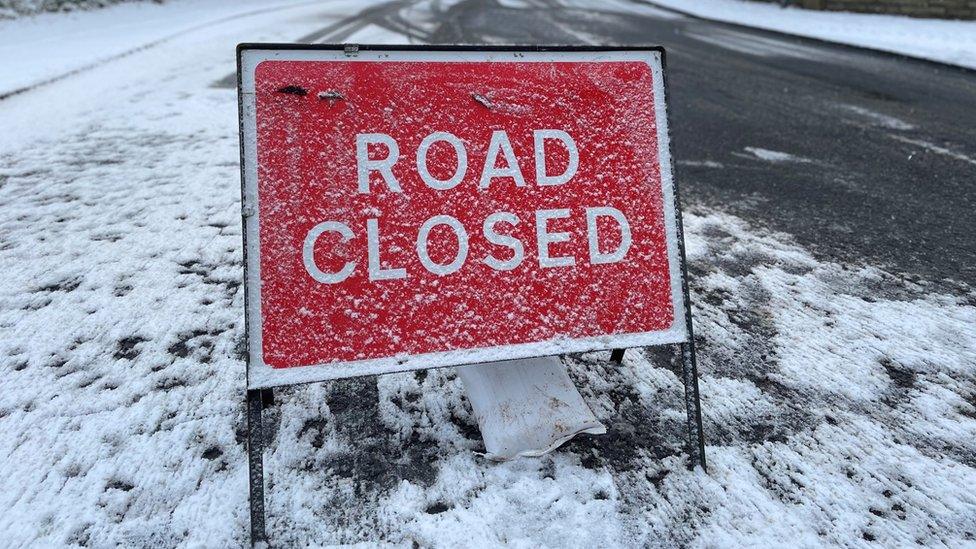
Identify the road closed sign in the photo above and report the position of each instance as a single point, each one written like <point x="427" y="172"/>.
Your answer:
<point x="411" y="208"/>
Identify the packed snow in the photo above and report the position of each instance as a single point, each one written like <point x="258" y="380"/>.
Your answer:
<point x="774" y="156"/>
<point x="880" y="119"/>
<point x="945" y="41"/>
<point x="839" y="400"/>
<point x="928" y="146"/>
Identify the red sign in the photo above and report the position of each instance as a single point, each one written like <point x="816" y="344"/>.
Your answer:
<point x="420" y="208"/>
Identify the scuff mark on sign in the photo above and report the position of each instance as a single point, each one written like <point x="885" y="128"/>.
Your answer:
<point x="293" y="90"/>
<point x="482" y="100"/>
<point x="331" y="96"/>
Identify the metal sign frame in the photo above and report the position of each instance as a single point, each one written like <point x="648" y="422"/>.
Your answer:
<point x="261" y="375"/>
<point x="260" y="390"/>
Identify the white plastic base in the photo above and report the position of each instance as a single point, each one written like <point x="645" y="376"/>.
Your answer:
<point x="526" y="407"/>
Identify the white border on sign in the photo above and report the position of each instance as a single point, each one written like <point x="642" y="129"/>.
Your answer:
<point x="261" y="375"/>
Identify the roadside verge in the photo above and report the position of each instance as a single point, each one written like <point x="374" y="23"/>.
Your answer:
<point x="945" y="42"/>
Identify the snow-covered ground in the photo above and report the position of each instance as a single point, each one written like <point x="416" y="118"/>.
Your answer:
<point x="37" y="49"/>
<point x="839" y="401"/>
<point x="10" y="9"/>
<point x="945" y="41"/>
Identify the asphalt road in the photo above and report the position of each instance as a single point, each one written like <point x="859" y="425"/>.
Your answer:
<point x="883" y="148"/>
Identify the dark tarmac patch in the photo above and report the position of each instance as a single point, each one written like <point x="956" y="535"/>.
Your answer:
<point x="118" y="484"/>
<point x="903" y="378"/>
<point x="127" y="347"/>
<point x="66" y="285"/>
<point x="293" y="90"/>
<point x="436" y="508"/>
<point x="379" y="461"/>
<point x="636" y="429"/>
<point x="199" y="343"/>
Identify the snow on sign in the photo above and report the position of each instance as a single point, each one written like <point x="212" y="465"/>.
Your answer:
<point x="410" y="208"/>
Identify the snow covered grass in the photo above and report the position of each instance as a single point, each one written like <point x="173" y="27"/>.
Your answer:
<point x="37" y="49"/>
<point x="15" y="8"/>
<point x="839" y="401"/>
<point x="952" y="42"/>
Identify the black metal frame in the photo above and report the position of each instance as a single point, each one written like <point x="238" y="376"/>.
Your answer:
<point x="258" y="399"/>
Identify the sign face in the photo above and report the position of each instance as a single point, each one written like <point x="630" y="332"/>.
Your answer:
<point x="414" y="208"/>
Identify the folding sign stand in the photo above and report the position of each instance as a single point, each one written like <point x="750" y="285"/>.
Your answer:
<point x="255" y="463"/>
<point x="695" y="443"/>
<point x="284" y="83"/>
<point x="258" y="399"/>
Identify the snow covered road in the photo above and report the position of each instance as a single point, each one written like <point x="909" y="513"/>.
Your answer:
<point x="839" y="399"/>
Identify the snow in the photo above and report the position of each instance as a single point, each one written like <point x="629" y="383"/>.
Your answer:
<point x="839" y="400"/>
<point x="701" y="163"/>
<point x="933" y="148"/>
<point x="774" y="156"/>
<point x="945" y="41"/>
<point x="880" y="119"/>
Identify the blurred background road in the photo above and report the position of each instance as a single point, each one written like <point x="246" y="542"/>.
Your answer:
<point x="863" y="157"/>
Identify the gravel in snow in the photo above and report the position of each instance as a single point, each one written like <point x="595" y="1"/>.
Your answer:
<point x="839" y="400"/>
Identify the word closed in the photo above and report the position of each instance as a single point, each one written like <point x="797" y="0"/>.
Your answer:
<point x="419" y="209"/>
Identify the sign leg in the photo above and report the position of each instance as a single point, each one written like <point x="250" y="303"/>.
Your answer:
<point x="255" y="465"/>
<point x="617" y="356"/>
<point x="689" y="362"/>
<point x="267" y="397"/>
<point x="696" y="437"/>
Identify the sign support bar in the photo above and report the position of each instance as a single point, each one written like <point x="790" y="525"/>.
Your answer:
<point x="696" y="438"/>
<point x="255" y="463"/>
<point x="689" y="360"/>
<point x="689" y="378"/>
